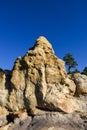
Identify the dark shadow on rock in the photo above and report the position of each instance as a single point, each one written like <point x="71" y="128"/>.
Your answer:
<point x="11" y="117"/>
<point x="8" y="85"/>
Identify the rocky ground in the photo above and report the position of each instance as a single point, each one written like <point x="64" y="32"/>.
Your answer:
<point x="37" y="94"/>
<point x="49" y="121"/>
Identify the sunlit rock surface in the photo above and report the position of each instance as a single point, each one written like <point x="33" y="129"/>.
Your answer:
<point x="37" y="85"/>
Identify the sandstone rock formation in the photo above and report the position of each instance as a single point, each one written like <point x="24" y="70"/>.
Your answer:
<point x="81" y="83"/>
<point x="38" y="83"/>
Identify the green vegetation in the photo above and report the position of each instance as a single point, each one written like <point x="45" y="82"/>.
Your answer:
<point x="76" y="71"/>
<point x="70" y="61"/>
<point x="84" y="71"/>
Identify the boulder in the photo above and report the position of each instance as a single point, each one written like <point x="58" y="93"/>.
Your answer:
<point x="81" y="83"/>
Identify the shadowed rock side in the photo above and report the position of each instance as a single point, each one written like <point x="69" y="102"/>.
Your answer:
<point x="39" y="84"/>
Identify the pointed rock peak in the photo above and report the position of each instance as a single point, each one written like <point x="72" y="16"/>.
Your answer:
<point x="43" y="43"/>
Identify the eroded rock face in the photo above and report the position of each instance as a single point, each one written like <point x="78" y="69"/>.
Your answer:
<point x="81" y="83"/>
<point x="3" y="90"/>
<point x="38" y="83"/>
<point x="39" y="80"/>
<point x="3" y="116"/>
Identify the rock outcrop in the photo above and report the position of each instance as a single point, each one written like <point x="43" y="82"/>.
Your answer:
<point x="52" y="121"/>
<point x="81" y="83"/>
<point x="38" y="84"/>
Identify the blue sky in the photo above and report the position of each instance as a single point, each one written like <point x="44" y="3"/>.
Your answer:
<point x="62" y="22"/>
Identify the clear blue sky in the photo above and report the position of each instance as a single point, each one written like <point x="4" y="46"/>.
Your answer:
<point x="62" y="22"/>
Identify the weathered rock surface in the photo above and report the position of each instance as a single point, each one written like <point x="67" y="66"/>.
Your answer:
<point x="81" y="83"/>
<point x="39" y="83"/>
<point x="3" y="90"/>
<point x="3" y="116"/>
<point x="22" y="122"/>
<point x="52" y="121"/>
<point x="56" y="121"/>
<point x="35" y="74"/>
